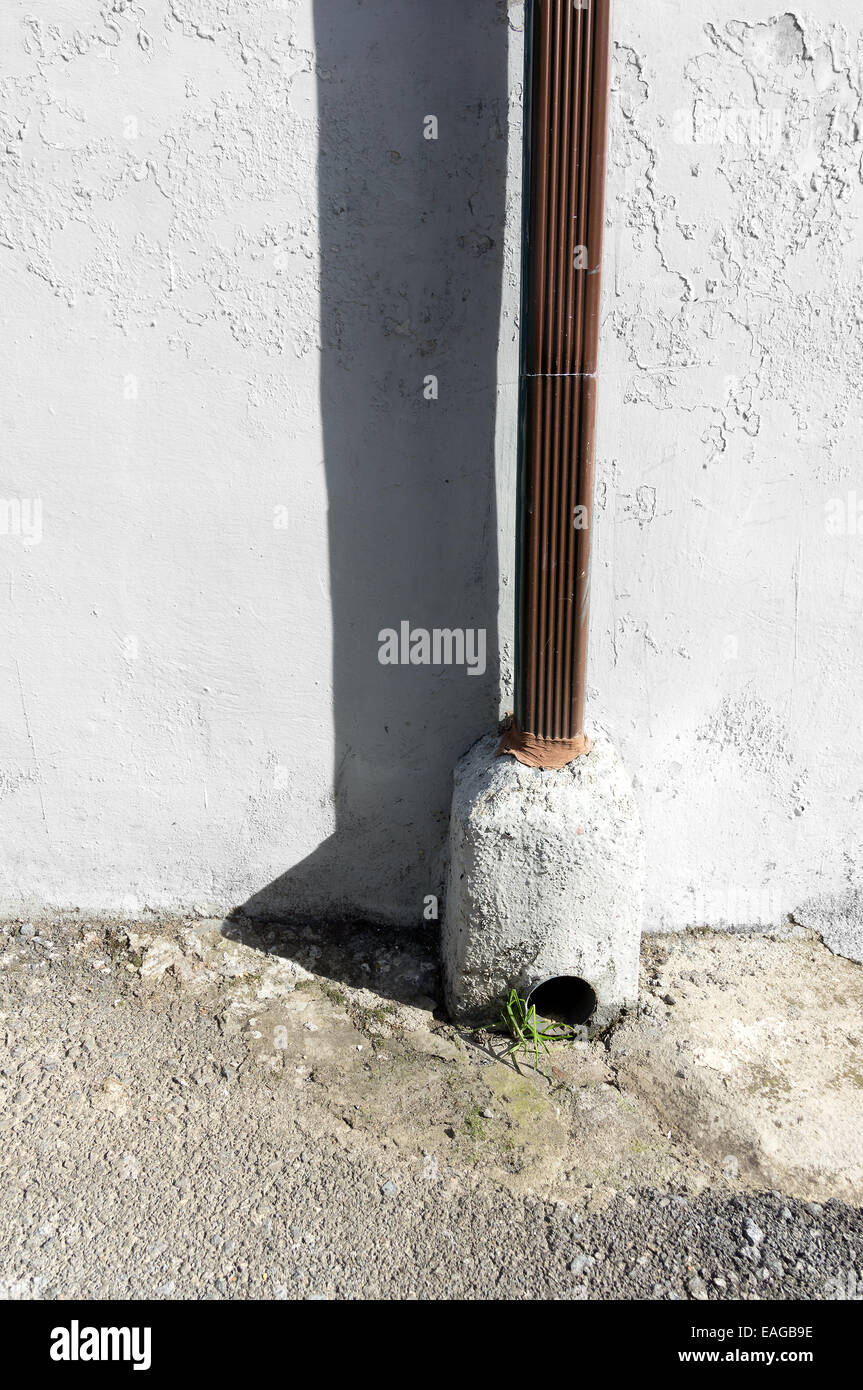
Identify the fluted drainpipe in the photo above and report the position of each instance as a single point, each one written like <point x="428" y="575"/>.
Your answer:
<point x="568" y="79"/>
<point x="545" y="882"/>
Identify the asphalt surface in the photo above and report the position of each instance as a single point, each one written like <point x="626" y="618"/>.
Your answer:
<point x="145" y="1156"/>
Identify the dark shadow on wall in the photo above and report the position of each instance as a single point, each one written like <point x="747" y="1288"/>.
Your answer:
<point x="411" y="266"/>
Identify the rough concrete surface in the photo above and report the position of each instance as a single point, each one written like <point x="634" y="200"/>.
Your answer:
<point x="285" y="1114"/>
<point x="838" y="920"/>
<point x="754" y="1051"/>
<point x="545" y="879"/>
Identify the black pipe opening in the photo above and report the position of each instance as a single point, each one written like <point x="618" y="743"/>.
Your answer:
<point x="564" y="999"/>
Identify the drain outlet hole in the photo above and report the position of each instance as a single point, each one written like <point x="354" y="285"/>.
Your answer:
<point x="564" y="999"/>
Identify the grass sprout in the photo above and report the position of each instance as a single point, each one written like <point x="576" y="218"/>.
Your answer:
<point x="518" y="1019"/>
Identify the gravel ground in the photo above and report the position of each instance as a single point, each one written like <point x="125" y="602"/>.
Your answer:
<point x="147" y="1155"/>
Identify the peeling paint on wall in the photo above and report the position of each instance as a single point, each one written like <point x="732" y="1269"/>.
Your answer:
<point x="229" y="260"/>
<point x="727" y="630"/>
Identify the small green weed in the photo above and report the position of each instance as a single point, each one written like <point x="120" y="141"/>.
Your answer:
<point x="519" y="1021"/>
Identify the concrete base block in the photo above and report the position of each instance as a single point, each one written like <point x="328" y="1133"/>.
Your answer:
<point x="545" y="880"/>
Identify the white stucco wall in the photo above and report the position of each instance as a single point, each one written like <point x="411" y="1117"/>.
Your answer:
<point x="727" y="623"/>
<point x="228" y="261"/>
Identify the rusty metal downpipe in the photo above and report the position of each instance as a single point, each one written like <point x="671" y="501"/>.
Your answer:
<point x="545" y="881"/>
<point x="568" y="78"/>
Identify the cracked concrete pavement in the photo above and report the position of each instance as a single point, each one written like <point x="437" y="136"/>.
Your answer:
<point x="208" y="1110"/>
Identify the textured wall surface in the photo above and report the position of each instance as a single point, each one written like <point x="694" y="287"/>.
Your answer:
<point x="229" y="261"/>
<point x="230" y="258"/>
<point x="726" y="634"/>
